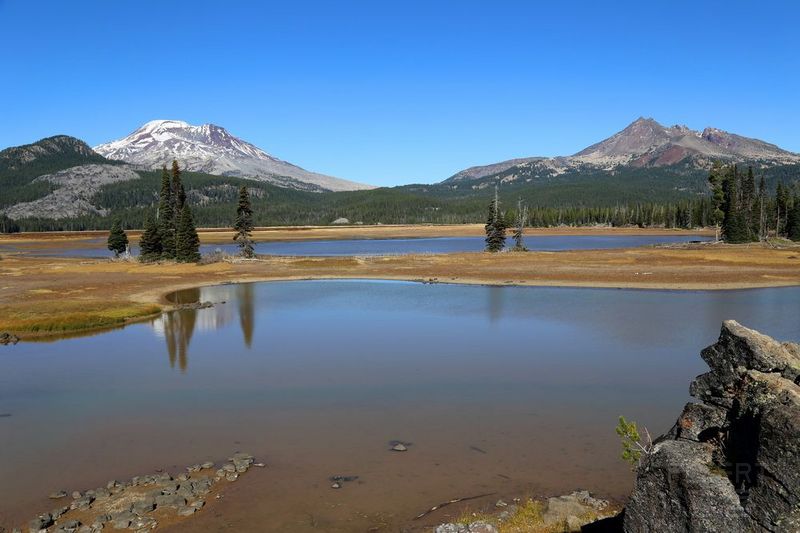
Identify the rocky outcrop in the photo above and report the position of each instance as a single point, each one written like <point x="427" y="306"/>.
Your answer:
<point x="731" y="463"/>
<point x="74" y="194"/>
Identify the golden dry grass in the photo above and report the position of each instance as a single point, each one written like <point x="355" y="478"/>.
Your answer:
<point x="59" y="316"/>
<point x="45" y="295"/>
<point x="40" y="240"/>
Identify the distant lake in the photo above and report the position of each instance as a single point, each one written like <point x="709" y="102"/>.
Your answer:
<point x="553" y="243"/>
<point x="508" y="390"/>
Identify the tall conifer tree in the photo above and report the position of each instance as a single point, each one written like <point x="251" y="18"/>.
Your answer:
<point x="716" y="179"/>
<point x="244" y="224"/>
<point x="150" y="243"/>
<point x="117" y="239"/>
<point x="495" y="226"/>
<point x="762" y="213"/>
<point x="177" y="189"/>
<point x="522" y="217"/>
<point x="166" y="216"/>
<point x="188" y="243"/>
<point x="793" y="219"/>
<point x="748" y="198"/>
<point x="781" y="207"/>
<point x="734" y="223"/>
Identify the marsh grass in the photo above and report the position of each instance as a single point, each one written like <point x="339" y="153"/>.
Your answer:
<point x="64" y="316"/>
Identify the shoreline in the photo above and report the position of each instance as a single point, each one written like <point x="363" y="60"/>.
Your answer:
<point x="99" y="294"/>
<point x="347" y="232"/>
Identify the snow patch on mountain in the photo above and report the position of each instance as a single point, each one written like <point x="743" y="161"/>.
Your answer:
<point x="213" y="150"/>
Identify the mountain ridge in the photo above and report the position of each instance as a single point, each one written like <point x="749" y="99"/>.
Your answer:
<point x="645" y="143"/>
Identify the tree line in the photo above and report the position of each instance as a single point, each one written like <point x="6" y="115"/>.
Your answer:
<point x="744" y="213"/>
<point x="214" y="198"/>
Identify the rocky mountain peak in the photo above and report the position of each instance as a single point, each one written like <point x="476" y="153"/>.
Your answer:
<point x="644" y="143"/>
<point x="639" y="137"/>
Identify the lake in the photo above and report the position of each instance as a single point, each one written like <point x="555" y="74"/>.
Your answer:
<point x="554" y="243"/>
<point x="512" y="390"/>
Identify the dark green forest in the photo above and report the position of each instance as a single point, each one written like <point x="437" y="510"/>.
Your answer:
<point x="577" y="200"/>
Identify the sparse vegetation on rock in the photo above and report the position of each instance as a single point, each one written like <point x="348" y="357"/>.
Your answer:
<point x="731" y="463"/>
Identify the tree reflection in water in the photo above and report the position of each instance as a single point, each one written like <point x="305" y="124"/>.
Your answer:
<point x="178" y="327"/>
<point x="244" y="297"/>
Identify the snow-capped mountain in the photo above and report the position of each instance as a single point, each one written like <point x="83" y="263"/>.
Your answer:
<point x="213" y="150"/>
<point x="645" y="144"/>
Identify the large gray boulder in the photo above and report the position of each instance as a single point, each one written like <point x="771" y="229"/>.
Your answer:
<point x="732" y="463"/>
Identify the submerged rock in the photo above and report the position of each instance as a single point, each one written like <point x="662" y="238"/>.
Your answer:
<point x="194" y="305"/>
<point x="8" y="338"/>
<point x="42" y="521"/>
<point x="732" y="463"/>
<point x="475" y="527"/>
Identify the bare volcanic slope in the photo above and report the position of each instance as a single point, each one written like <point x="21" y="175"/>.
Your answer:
<point x="75" y="188"/>
<point x="212" y="149"/>
<point x="647" y="144"/>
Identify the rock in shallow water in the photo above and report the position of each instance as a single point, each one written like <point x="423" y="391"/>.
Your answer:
<point x="41" y="522"/>
<point x="475" y="527"/>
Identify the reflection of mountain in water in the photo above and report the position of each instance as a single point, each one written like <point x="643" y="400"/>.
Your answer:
<point x="177" y="327"/>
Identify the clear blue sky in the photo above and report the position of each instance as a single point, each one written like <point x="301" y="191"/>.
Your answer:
<point x="399" y="92"/>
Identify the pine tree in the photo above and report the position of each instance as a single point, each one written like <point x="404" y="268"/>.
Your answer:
<point x="793" y="220"/>
<point x="495" y="227"/>
<point x="188" y="243"/>
<point x="748" y="197"/>
<point x="522" y="216"/>
<point x="734" y="223"/>
<point x="150" y="243"/>
<point x="166" y="216"/>
<point x="117" y="239"/>
<point x="177" y="189"/>
<point x="244" y="224"/>
<point x="716" y="179"/>
<point x="781" y="203"/>
<point x="762" y="218"/>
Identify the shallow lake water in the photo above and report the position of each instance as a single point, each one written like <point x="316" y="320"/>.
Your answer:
<point x="550" y="243"/>
<point x="506" y="390"/>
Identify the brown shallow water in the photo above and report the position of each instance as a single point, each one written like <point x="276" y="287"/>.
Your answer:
<point x="315" y="378"/>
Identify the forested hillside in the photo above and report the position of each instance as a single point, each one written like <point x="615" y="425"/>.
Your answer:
<point x="19" y="166"/>
<point x="644" y="198"/>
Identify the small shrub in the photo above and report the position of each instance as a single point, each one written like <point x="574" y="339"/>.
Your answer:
<point x="632" y="447"/>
